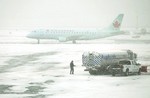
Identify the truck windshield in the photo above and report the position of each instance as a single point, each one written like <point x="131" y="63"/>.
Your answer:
<point x="125" y="62"/>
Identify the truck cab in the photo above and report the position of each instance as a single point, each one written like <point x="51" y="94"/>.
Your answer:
<point x="126" y="67"/>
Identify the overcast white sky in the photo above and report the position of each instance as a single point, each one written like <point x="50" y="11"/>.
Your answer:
<point x="72" y="13"/>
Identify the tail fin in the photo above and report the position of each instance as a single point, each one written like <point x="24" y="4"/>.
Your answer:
<point x="116" y="24"/>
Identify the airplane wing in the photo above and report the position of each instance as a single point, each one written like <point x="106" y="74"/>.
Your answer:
<point x="70" y="38"/>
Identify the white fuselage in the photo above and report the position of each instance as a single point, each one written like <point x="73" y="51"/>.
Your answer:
<point x="71" y="34"/>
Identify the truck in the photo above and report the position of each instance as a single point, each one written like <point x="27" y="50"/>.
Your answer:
<point x="100" y="63"/>
<point x="126" y="67"/>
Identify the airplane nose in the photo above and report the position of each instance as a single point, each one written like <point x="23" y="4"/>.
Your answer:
<point x="29" y="35"/>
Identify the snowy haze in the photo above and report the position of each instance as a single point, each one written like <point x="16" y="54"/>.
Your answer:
<point x="24" y="14"/>
<point x="42" y="71"/>
<point x="30" y="70"/>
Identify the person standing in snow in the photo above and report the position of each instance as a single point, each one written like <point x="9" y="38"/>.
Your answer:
<point x="72" y="67"/>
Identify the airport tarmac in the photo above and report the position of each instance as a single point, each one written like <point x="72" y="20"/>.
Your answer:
<point x="42" y="71"/>
<point x="129" y="39"/>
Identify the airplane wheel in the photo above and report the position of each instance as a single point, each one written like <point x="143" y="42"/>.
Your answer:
<point x="74" y="42"/>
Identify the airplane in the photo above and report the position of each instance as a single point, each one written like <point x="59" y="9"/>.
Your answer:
<point x="64" y="35"/>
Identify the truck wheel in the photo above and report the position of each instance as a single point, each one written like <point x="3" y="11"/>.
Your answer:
<point x="92" y="72"/>
<point x="113" y="73"/>
<point x="139" y="72"/>
<point x="127" y="72"/>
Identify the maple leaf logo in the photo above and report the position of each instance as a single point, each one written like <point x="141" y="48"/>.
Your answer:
<point x="116" y="24"/>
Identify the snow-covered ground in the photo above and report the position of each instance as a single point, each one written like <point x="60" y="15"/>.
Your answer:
<point x="42" y="71"/>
